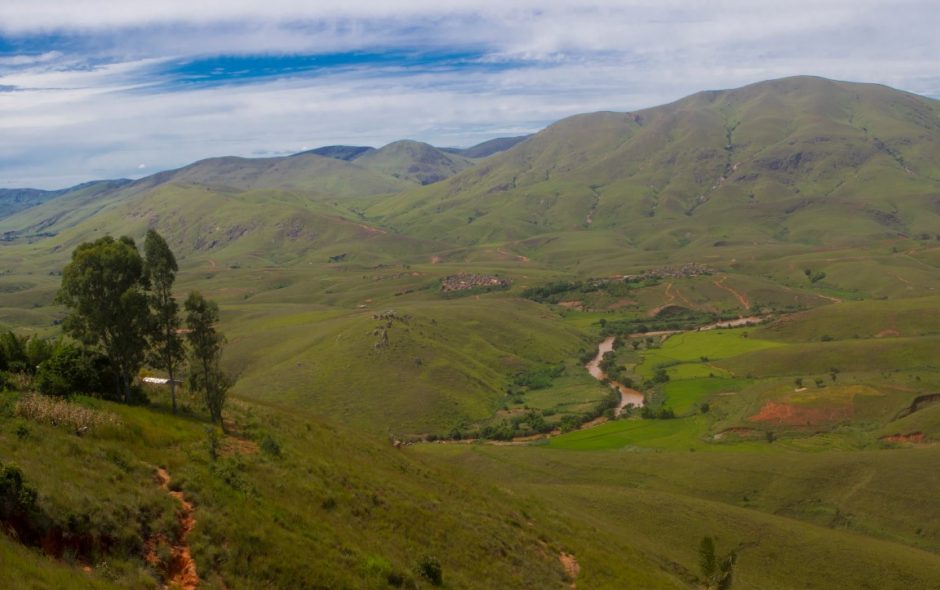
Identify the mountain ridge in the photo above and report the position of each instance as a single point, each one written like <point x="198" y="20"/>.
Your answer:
<point x="768" y="146"/>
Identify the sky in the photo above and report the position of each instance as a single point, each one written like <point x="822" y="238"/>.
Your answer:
<point x="97" y="89"/>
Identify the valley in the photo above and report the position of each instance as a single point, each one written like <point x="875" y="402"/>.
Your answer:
<point x="756" y="272"/>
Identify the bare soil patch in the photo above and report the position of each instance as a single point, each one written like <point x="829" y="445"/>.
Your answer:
<point x="572" y="567"/>
<point x="890" y="332"/>
<point x="791" y="415"/>
<point x="180" y="572"/>
<point x="916" y="438"/>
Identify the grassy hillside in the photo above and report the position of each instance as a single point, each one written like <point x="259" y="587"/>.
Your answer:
<point x="414" y="161"/>
<point x="798" y="520"/>
<point x="802" y="160"/>
<point x="425" y="367"/>
<point x="289" y="502"/>
<point x="488" y="148"/>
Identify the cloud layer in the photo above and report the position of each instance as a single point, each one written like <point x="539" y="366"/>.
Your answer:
<point x="102" y="89"/>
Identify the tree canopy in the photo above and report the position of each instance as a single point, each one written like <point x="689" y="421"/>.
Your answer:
<point x="205" y="345"/>
<point x="104" y="288"/>
<point x="166" y="344"/>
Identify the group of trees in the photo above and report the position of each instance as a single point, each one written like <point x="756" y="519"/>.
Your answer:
<point x="121" y="305"/>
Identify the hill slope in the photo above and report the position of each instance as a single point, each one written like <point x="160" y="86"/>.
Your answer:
<point x="12" y="201"/>
<point x="799" y="159"/>
<point x="415" y="161"/>
<point x="488" y="148"/>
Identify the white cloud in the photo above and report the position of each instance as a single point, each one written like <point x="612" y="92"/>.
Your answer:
<point x="97" y="111"/>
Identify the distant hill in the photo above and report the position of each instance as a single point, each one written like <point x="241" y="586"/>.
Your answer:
<point x="415" y="161"/>
<point x="488" y="148"/>
<point x="316" y="175"/>
<point x="340" y="152"/>
<point x="14" y="200"/>
<point x="799" y="159"/>
<point x="804" y="161"/>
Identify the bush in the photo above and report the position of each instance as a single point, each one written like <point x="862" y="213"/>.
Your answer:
<point x="430" y="568"/>
<point x="18" y="508"/>
<point x="270" y="447"/>
<point x="660" y="376"/>
<point x="68" y="370"/>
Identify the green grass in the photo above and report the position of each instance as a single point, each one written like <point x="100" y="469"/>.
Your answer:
<point x="327" y="514"/>
<point x="895" y="354"/>
<point x="446" y="362"/>
<point x="687" y="395"/>
<point x="801" y="519"/>
<point x="700" y="348"/>
<point x="576" y="392"/>
<point x="678" y="434"/>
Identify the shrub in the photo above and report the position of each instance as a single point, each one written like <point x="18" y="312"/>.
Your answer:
<point x="660" y="376"/>
<point x="18" y="508"/>
<point x="430" y="568"/>
<point x="68" y="370"/>
<point x="270" y="447"/>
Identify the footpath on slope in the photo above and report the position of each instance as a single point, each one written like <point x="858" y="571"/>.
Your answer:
<point x="181" y="571"/>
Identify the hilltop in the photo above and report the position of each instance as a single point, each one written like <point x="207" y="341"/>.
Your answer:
<point x="799" y="160"/>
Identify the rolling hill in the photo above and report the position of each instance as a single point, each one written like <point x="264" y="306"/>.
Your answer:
<point x="802" y="160"/>
<point x="414" y="161"/>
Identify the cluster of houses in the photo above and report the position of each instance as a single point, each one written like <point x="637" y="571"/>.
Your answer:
<point x="465" y="282"/>
<point x="685" y="271"/>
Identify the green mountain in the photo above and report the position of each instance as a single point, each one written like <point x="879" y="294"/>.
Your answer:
<point x="317" y="176"/>
<point x="803" y="159"/>
<point x="13" y="201"/>
<point x="340" y="152"/>
<point x="414" y="161"/>
<point x="488" y="148"/>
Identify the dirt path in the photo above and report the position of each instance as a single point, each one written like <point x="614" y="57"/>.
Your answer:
<point x="627" y="395"/>
<point x="572" y="567"/>
<point x="828" y="298"/>
<point x="741" y="297"/>
<point x="508" y="254"/>
<point x="670" y="299"/>
<point x="182" y="569"/>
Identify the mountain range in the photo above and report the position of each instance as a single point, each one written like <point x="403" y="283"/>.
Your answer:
<point x="799" y="160"/>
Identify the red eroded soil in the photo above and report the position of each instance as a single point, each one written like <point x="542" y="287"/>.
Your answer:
<point x="791" y="415"/>
<point x="572" y="567"/>
<point x="914" y="437"/>
<point x="742" y="298"/>
<point x="181" y="571"/>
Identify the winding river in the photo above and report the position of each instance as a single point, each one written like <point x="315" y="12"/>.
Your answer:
<point x="627" y="395"/>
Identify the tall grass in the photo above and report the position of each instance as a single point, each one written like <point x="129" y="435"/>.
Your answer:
<point x="60" y="412"/>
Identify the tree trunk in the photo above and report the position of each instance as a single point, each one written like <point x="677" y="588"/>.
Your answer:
<point x="172" y="387"/>
<point x="125" y="382"/>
